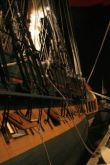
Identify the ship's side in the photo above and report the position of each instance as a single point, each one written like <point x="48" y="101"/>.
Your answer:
<point x="91" y="106"/>
<point x="44" y="101"/>
<point x="55" y="144"/>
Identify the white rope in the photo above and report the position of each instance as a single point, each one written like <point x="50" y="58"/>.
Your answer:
<point x="80" y="136"/>
<point x="78" y="132"/>
<point x="56" y="88"/>
<point x="105" y="35"/>
<point x="101" y="95"/>
<point x="82" y="140"/>
<point x="45" y="147"/>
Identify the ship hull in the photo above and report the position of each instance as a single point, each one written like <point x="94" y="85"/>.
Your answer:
<point x="65" y="149"/>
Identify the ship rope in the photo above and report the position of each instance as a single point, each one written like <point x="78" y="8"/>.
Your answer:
<point x="45" y="147"/>
<point x="73" y="44"/>
<point x="10" y="9"/>
<point x="80" y="136"/>
<point x="62" y="28"/>
<point x="102" y="44"/>
<point x="77" y="130"/>
<point x="82" y="140"/>
<point x="101" y="95"/>
<point x="56" y="88"/>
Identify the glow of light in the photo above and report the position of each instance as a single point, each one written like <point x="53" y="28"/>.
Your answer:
<point x="35" y="27"/>
<point x="48" y="8"/>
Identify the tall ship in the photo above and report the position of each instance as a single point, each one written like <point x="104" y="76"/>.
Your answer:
<point x="46" y="106"/>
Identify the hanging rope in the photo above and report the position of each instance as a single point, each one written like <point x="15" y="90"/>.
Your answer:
<point x="105" y="35"/>
<point x="45" y="147"/>
<point x="56" y="88"/>
<point x="77" y="130"/>
<point x="82" y="140"/>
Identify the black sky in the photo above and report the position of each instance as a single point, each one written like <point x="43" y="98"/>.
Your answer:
<point x="90" y="24"/>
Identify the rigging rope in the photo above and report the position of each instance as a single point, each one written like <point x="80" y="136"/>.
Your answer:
<point x="10" y="3"/>
<point x="56" y="88"/>
<point x="73" y="44"/>
<point x="61" y="18"/>
<point x="82" y="140"/>
<point x="78" y="132"/>
<point x="105" y="35"/>
<point x="45" y="147"/>
<point x="101" y="95"/>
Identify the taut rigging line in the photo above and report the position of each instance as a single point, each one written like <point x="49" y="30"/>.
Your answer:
<point x="105" y="35"/>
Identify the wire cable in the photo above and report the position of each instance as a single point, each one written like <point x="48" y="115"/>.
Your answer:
<point x="105" y="35"/>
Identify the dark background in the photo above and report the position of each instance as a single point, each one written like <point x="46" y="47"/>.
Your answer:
<point x="90" y="24"/>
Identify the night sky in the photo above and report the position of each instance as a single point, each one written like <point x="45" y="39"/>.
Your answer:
<point x="90" y="24"/>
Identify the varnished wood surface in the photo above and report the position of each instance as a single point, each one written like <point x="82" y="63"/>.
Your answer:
<point x="22" y="144"/>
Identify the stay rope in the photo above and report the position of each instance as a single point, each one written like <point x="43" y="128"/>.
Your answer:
<point x="102" y="44"/>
